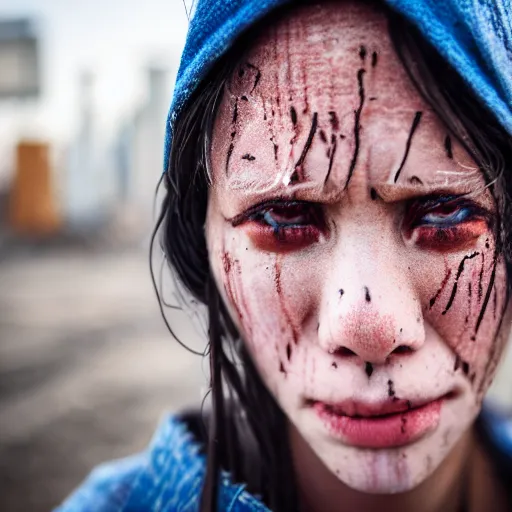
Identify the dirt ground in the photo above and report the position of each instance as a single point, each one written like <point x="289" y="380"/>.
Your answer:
<point x="87" y="368"/>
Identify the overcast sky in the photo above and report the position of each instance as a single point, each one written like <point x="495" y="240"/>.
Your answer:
<point x="115" y="39"/>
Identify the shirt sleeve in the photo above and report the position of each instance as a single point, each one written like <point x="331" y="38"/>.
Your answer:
<point x="107" y="488"/>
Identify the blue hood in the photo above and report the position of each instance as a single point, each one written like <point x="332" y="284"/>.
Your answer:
<point x="474" y="36"/>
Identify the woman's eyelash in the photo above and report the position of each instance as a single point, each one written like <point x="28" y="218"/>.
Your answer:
<point x="444" y="211"/>
<point x="283" y="225"/>
<point x="281" y="214"/>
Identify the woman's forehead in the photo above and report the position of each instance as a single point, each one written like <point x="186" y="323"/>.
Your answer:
<point x="324" y="88"/>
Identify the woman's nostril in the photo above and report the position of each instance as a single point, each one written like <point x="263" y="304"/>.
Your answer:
<point x="402" y="349"/>
<point x="343" y="352"/>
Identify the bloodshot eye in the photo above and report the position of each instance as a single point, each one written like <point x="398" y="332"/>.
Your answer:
<point x="282" y="225"/>
<point x="446" y="222"/>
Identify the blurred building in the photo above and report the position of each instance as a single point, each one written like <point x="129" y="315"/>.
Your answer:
<point x="148" y="139"/>
<point x="139" y="150"/>
<point x="86" y="204"/>
<point x="19" y="59"/>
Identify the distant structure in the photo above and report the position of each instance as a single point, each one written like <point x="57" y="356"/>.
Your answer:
<point x="84" y="207"/>
<point x="31" y="204"/>
<point x="19" y="59"/>
<point x="140" y="149"/>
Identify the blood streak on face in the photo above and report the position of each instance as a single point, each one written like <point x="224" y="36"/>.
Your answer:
<point x="353" y="242"/>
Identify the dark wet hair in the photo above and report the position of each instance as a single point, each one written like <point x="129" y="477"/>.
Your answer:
<point x="246" y="428"/>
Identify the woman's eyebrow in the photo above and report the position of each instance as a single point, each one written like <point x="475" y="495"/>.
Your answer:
<point x="396" y="193"/>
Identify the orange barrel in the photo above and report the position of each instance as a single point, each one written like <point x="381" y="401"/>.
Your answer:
<point x="32" y="205"/>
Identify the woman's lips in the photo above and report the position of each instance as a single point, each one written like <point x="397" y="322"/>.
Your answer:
<point x="386" y="425"/>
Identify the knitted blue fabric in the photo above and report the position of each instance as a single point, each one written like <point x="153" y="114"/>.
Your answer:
<point x="474" y="36"/>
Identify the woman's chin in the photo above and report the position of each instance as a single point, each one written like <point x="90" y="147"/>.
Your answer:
<point x="382" y="471"/>
<point x="389" y="470"/>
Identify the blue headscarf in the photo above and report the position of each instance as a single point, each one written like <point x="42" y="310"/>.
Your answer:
<point x="474" y="36"/>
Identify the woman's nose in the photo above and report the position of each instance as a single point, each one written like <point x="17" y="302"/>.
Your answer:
<point x="371" y="316"/>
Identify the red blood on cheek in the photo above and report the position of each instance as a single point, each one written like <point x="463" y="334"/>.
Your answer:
<point x="449" y="239"/>
<point x="234" y="290"/>
<point x="289" y="239"/>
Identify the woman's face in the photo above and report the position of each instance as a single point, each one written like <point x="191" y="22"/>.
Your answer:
<point x="362" y="276"/>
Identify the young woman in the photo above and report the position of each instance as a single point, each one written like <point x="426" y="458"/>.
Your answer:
<point x="338" y="195"/>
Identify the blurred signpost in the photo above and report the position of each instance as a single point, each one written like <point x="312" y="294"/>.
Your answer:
<point x="32" y="208"/>
<point x="19" y="62"/>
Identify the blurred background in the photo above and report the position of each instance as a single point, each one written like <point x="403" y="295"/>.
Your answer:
<point x="87" y="366"/>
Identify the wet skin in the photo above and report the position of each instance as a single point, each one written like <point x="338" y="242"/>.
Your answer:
<point x="352" y="239"/>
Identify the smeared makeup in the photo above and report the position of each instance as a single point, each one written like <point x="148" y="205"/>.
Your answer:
<point x="415" y="123"/>
<point x="353" y="240"/>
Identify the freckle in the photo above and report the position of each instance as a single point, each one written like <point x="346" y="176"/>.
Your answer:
<point x="342" y="136"/>
<point x="367" y="294"/>
<point x="373" y="194"/>
<point x="448" y="147"/>
<point x="368" y="368"/>
<point x="341" y="292"/>
<point x="334" y="365"/>
<point x="401" y="329"/>
<point x="249" y="157"/>
<point x="415" y="180"/>
<point x="293" y="115"/>
<point x="333" y="119"/>
<point x="228" y="156"/>
<point x="235" y="112"/>
<point x="372" y="98"/>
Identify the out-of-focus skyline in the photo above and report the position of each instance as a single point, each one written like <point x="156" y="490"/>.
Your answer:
<point x="115" y="40"/>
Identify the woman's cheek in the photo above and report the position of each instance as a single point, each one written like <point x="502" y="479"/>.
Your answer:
<point x="266" y="298"/>
<point x="464" y="297"/>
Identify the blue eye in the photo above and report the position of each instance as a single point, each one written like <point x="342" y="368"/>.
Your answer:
<point x="286" y="218"/>
<point x="446" y="219"/>
<point x="443" y="211"/>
